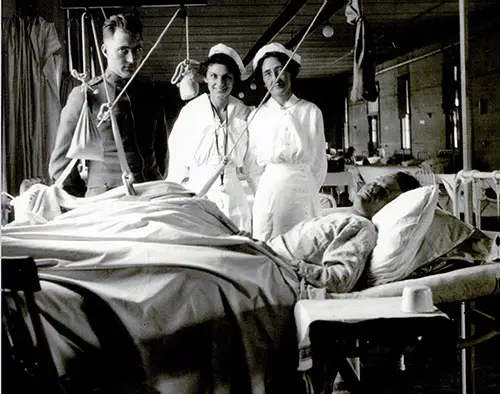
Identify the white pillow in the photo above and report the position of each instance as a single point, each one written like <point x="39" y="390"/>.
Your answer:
<point x="402" y="225"/>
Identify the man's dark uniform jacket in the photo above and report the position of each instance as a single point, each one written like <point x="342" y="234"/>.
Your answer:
<point x="141" y="121"/>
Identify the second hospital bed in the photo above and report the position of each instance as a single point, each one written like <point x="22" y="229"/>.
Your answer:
<point x="462" y="287"/>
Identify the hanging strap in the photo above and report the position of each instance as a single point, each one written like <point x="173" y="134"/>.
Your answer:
<point x="82" y="77"/>
<point x="225" y="160"/>
<point x="183" y="66"/>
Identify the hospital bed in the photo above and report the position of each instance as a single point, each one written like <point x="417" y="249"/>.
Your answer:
<point x="160" y="289"/>
<point x="155" y="293"/>
<point x="461" y="289"/>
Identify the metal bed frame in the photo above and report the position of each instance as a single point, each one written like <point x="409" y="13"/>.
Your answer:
<point x="472" y="185"/>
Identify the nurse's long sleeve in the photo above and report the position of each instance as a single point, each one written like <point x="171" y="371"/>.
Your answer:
<point x="319" y="162"/>
<point x="178" y="146"/>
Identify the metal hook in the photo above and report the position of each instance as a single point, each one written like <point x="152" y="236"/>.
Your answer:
<point x="128" y="181"/>
<point x="104" y="112"/>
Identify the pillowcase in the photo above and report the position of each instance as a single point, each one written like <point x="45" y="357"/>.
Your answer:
<point x="402" y="225"/>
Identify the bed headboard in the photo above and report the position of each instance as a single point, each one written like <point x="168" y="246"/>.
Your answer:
<point x="477" y="195"/>
<point x="477" y="202"/>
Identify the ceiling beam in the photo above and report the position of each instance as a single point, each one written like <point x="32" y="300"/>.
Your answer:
<point x="285" y="16"/>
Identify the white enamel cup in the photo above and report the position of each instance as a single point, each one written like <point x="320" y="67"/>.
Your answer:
<point x="417" y="299"/>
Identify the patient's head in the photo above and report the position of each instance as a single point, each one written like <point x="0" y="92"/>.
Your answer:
<point x="373" y="196"/>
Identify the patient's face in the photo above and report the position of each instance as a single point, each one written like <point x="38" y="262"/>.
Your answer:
<point x="373" y="196"/>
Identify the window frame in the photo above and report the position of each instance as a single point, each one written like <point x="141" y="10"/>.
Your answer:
<point x="373" y="113"/>
<point x="404" y="111"/>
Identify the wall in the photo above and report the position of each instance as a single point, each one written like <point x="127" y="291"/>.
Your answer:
<point x="427" y="118"/>
<point x="485" y="83"/>
<point x="329" y="95"/>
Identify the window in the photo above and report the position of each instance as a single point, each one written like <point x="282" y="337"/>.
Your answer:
<point x="451" y="104"/>
<point x="373" y="111"/>
<point x="346" y="122"/>
<point x="404" y="110"/>
<point x="374" y="131"/>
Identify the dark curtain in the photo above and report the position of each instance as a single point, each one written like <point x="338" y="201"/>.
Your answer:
<point x="31" y="80"/>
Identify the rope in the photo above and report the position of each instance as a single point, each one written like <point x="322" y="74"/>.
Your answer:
<point x="183" y="67"/>
<point x="225" y="159"/>
<point x="82" y="77"/>
<point x="187" y="35"/>
<point x="70" y="47"/>
<point x="84" y="43"/>
<point x="8" y="195"/>
<point x="99" y="58"/>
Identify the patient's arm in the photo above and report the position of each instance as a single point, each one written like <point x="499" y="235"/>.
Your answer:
<point x="328" y="252"/>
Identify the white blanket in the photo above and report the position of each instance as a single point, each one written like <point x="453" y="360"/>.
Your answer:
<point x="202" y="305"/>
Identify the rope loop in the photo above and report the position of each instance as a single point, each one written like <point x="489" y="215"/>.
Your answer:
<point x="187" y="66"/>
<point x="104" y="112"/>
<point x="82" y="77"/>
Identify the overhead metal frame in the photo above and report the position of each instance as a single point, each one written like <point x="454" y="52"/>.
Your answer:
<point x="75" y="4"/>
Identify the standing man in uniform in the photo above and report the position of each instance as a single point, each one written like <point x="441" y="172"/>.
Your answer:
<point x="139" y="114"/>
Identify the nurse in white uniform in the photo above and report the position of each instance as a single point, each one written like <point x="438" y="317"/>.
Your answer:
<point x="286" y="156"/>
<point x="206" y="130"/>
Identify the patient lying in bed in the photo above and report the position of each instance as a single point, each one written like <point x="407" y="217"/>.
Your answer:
<point x="408" y="237"/>
<point x="329" y="253"/>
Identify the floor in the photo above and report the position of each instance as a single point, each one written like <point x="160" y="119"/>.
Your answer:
<point x="439" y="374"/>
<point x="432" y="367"/>
<point x="436" y="371"/>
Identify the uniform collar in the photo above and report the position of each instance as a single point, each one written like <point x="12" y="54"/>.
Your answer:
<point x="230" y="105"/>
<point x="115" y="79"/>
<point x="290" y="103"/>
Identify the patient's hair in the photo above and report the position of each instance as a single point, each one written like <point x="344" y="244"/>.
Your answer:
<point x="406" y="181"/>
<point x="127" y="22"/>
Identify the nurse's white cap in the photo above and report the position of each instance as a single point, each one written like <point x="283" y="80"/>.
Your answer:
<point x="226" y="50"/>
<point x="274" y="47"/>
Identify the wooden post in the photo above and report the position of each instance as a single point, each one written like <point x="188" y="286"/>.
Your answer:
<point x="464" y="96"/>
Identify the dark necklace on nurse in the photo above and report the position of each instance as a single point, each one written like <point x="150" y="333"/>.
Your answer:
<point x="221" y="128"/>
